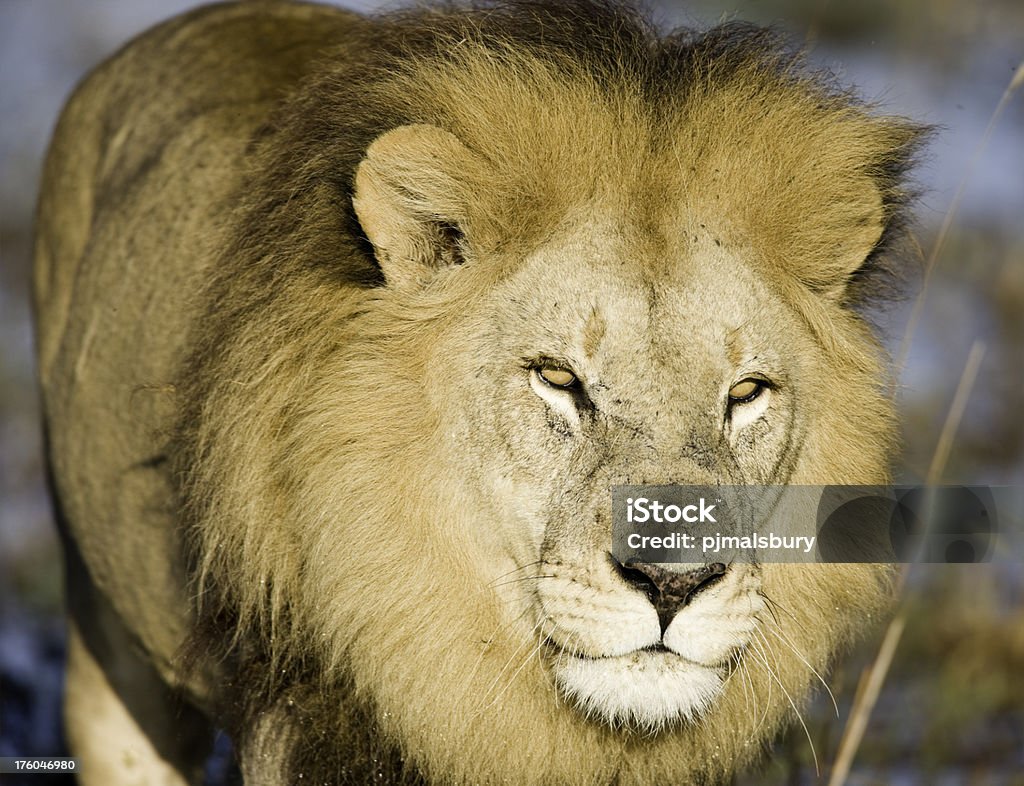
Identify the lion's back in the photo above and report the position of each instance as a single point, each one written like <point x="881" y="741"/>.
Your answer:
<point x="139" y="179"/>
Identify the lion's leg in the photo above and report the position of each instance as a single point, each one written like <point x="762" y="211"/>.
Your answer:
<point x="109" y="738"/>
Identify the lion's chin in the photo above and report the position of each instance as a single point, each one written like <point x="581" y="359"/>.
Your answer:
<point x="648" y="690"/>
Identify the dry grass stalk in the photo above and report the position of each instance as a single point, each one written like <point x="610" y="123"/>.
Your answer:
<point x="876" y="672"/>
<point x="874" y="676"/>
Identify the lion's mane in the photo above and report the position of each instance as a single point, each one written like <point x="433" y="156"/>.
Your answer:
<point x="304" y="440"/>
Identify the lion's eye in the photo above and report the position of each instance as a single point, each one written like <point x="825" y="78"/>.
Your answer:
<point x="557" y="377"/>
<point x="746" y="390"/>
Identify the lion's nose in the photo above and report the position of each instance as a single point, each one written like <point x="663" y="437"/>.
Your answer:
<point x="668" y="590"/>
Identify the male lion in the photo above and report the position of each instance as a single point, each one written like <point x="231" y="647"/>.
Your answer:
<point x="346" y="328"/>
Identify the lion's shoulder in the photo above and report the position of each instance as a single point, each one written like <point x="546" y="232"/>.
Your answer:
<point x="186" y="95"/>
<point x="155" y="137"/>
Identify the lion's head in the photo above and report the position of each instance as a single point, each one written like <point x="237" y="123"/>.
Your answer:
<point x="488" y="268"/>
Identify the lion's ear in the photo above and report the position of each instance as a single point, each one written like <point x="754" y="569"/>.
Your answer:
<point x="857" y="224"/>
<point x="823" y="233"/>
<point x="412" y="192"/>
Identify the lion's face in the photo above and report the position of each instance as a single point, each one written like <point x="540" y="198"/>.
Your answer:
<point x="606" y="358"/>
<point x="633" y="339"/>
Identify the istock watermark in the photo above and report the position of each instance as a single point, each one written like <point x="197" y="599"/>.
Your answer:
<point x="814" y="524"/>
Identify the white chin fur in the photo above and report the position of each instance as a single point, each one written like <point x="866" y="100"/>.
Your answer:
<point x="648" y="690"/>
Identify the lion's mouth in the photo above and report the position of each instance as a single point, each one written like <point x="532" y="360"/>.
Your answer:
<point x="651" y="688"/>
<point x="556" y="650"/>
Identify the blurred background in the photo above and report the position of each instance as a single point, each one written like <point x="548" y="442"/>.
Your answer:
<point x="952" y="709"/>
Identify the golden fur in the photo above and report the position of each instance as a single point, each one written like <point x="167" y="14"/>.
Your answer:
<point x="444" y="200"/>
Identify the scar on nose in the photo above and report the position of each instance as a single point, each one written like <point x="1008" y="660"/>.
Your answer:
<point x="593" y="332"/>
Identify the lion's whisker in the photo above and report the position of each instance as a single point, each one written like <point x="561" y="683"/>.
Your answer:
<point x="777" y="632"/>
<point x="753" y="689"/>
<point x="533" y="653"/>
<point x="733" y="670"/>
<point x="765" y="647"/>
<point x="774" y="604"/>
<point x="514" y="570"/>
<point x="488" y="642"/>
<point x="525" y="578"/>
<point x="770" y="606"/>
<point x="526" y="642"/>
<point x="749" y="697"/>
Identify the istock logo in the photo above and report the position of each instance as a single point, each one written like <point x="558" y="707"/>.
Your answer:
<point x="809" y="524"/>
<point x="642" y="510"/>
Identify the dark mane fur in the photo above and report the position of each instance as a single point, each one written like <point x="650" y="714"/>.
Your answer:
<point x="311" y="149"/>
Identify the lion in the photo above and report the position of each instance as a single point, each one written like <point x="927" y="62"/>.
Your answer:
<point x="346" y="327"/>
